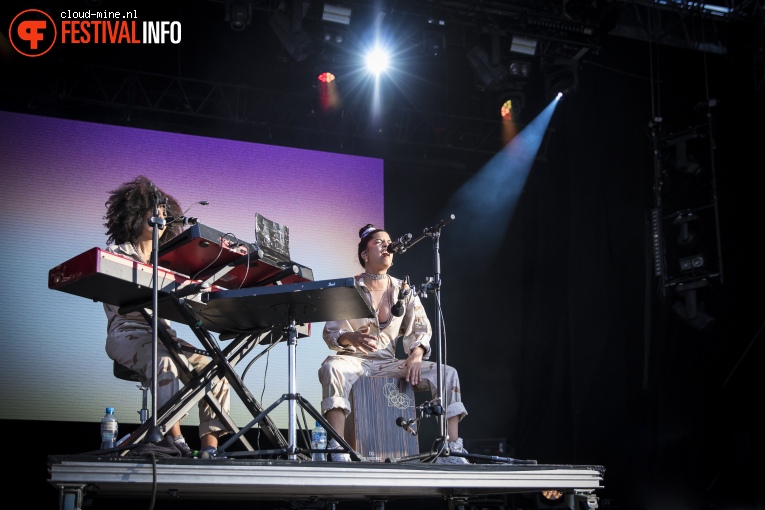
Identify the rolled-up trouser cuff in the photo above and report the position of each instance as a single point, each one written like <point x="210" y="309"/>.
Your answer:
<point x="456" y="409"/>
<point x="335" y="403"/>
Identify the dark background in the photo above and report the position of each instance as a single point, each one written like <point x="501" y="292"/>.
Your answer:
<point x="568" y="345"/>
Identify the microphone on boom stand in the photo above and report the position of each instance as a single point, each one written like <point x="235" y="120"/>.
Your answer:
<point x="405" y="424"/>
<point x="400" y="244"/>
<point x="398" y="309"/>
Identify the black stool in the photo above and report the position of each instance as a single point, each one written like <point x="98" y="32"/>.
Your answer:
<point x="126" y="374"/>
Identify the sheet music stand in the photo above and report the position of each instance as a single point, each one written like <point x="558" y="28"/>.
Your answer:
<point x="286" y="306"/>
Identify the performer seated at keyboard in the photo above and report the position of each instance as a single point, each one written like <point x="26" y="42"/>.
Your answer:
<point x="129" y="339"/>
<point x="367" y="347"/>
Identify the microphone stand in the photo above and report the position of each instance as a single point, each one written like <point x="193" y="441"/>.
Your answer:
<point x="433" y="284"/>
<point x="157" y="223"/>
<point x="436" y="406"/>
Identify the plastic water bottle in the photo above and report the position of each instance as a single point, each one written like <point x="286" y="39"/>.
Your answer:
<point x="319" y="442"/>
<point x="109" y="428"/>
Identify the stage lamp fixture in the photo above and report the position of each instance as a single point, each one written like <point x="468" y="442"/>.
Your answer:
<point x="335" y="38"/>
<point x="519" y="69"/>
<point x="326" y="77"/>
<point x="552" y="499"/>
<point x="336" y="14"/>
<point x="238" y="14"/>
<point x="691" y="308"/>
<point x="289" y="30"/>
<point x="489" y="75"/>
<point x="377" y="61"/>
<point x="511" y="107"/>
<point x="691" y="263"/>
<point x="561" y="81"/>
<point x="552" y="495"/>
<point x="506" y="111"/>
<point x="523" y="45"/>
<point x="328" y="96"/>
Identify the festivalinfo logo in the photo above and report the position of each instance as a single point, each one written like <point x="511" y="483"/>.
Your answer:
<point x="33" y="32"/>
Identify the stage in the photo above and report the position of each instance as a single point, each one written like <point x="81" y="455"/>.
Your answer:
<point x="324" y="484"/>
<point x="285" y="473"/>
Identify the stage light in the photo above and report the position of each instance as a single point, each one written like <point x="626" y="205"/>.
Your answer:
<point x="377" y="61"/>
<point x="491" y="76"/>
<point x="552" y="495"/>
<point x="326" y="77"/>
<point x="693" y="262"/>
<point x="690" y="309"/>
<point x="519" y="69"/>
<point x="523" y="45"/>
<point x="506" y="111"/>
<point x="238" y="14"/>
<point x="334" y="36"/>
<point x="560" y="81"/>
<point x="326" y="84"/>
<point x="336" y="19"/>
<point x="289" y="31"/>
<point x="551" y="499"/>
<point x="511" y="107"/>
<point x="336" y="14"/>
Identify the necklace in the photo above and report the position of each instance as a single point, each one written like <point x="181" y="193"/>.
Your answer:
<point x="373" y="276"/>
<point x="379" y="303"/>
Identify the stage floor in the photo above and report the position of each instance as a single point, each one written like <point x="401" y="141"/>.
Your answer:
<point x="78" y="477"/>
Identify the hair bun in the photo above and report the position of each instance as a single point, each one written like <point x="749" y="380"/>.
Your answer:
<point x="365" y="230"/>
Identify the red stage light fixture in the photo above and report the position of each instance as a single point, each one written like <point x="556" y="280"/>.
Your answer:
<point x="326" y="77"/>
<point x="506" y="111"/>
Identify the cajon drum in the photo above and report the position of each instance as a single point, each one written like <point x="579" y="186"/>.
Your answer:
<point x="371" y="428"/>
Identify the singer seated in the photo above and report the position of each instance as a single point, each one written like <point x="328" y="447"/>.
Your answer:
<point x="367" y="347"/>
<point x="129" y="341"/>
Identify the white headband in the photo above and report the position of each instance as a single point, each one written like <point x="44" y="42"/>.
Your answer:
<point x="367" y="231"/>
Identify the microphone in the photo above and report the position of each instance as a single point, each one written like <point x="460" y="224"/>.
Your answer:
<point x="398" y="308"/>
<point x="188" y="220"/>
<point x="185" y="220"/>
<point x="399" y="244"/>
<point x="404" y="424"/>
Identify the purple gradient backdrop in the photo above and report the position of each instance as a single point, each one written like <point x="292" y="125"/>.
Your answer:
<point x="56" y="175"/>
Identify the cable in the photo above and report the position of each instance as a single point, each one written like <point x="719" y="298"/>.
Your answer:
<point x="153" y="479"/>
<point x="733" y="370"/>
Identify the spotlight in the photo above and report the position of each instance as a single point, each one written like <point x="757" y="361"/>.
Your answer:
<point x="333" y="36"/>
<point x="326" y="77"/>
<point x="326" y="85"/>
<point x="689" y="245"/>
<point x="552" y="495"/>
<point x="336" y="14"/>
<point x="507" y="110"/>
<point x="519" y="69"/>
<point x="690" y="309"/>
<point x="491" y="76"/>
<point x="561" y="81"/>
<point x="434" y="43"/>
<point x="511" y="107"/>
<point x="238" y="14"/>
<point x="289" y="31"/>
<point x="523" y="45"/>
<point x="551" y="498"/>
<point x="377" y="61"/>
<point x="692" y="262"/>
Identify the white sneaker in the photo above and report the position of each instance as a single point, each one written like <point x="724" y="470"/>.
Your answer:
<point x="454" y="446"/>
<point x="337" y="457"/>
